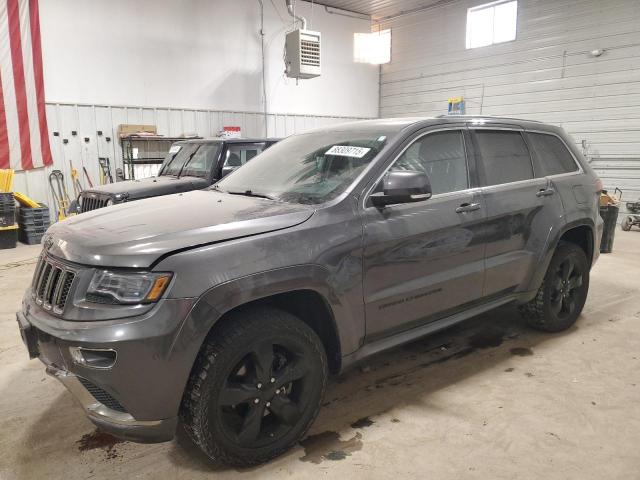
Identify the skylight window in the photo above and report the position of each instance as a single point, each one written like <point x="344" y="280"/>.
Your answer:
<point x="491" y="23"/>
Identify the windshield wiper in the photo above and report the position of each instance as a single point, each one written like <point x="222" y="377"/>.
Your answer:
<point x="249" y="193"/>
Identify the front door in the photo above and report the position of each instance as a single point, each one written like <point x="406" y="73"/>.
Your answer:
<point x="425" y="259"/>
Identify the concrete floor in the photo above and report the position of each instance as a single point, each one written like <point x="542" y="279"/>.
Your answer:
<point x="487" y="399"/>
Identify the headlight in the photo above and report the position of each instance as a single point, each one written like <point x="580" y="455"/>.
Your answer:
<point x="127" y="288"/>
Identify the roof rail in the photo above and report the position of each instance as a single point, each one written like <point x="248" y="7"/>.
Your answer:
<point x="445" y="115"/>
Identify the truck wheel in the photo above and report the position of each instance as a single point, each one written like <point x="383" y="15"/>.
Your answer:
<point x="256" y="387"/>
<point x="563" y="292"/>
<point x="626" y="224"/>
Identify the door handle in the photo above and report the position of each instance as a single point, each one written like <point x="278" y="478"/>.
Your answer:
<point x="468" y="207"/>
<point x="545" y="192"/>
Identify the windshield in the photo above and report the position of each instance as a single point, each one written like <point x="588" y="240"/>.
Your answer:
<point x="202" y="161"/>
<point x="176" y="158"/>
<point x="310" y="168"/>
<point x="200" y="158"/>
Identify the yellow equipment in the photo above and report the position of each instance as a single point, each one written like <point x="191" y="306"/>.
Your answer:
<point x="6" y="180"/>
<point x="25" y="201"/>
<point x="75" y="180"/>
<point x="6" y="184"/>
<point x="59" y="193"/>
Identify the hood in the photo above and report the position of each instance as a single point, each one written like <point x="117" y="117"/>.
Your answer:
<point x="136" y="234"/>
<point x="149" y="187"/>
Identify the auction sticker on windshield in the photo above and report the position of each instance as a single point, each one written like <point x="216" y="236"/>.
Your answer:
<point x="347" y="151"/>
<point x="175" y="148"/>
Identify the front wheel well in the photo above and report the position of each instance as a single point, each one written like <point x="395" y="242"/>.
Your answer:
<point x="310" y="307"/>
<point x="581" y="236"/>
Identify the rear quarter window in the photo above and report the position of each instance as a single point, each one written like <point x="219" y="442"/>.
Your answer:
<point x="552" y="156"/>
<point x="503" y="156"/>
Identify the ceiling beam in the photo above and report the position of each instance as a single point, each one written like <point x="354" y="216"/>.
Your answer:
<point x="329" y="5"/>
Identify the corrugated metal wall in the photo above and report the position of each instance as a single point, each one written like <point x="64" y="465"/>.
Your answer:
<point x="87" y="120"/>
<point x="546" y="74"/>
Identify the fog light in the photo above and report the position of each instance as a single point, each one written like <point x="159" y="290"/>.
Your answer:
<point x="76" y="354"/>
<point x="93" y="358"/>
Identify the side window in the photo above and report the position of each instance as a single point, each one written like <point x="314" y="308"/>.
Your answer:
<point x="239" y="154"/>
<point x="552" y="156"/>
<point x="441" y="156"/>
<point x="503" y="156"/>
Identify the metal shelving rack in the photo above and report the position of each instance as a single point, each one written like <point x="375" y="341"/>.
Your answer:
<point x="151" y="150"/>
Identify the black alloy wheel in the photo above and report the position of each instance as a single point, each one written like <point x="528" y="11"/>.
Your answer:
<point x="265" y="394"/>
<point x="563" y="293"/>
<point x="256" y="386"/>
<point x="566" y="288"/>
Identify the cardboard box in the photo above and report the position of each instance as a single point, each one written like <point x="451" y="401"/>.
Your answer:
<point x="126" y="129"/>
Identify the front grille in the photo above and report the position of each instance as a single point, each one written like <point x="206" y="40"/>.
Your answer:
<point x="92" y="201"/>
<point x="101" y="396"/>
<point x="51" y="285"/>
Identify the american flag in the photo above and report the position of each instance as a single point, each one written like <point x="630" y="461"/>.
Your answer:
<point x="24" y="141"/>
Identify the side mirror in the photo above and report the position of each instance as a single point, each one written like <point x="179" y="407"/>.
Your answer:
<point x="227" y="170"/>
<point x="402" y="186"/>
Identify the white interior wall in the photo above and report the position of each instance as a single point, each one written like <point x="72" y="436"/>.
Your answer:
<point x="198" y="54"/>
<point x="88" y="120"/>
<point x="187" y="67"/>
<point x="546" y="74"/>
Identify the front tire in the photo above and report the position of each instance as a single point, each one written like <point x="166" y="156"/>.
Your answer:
<point x="256" y="387"/>
<point x="563" y="292"/>
<point x="626" y="224"/>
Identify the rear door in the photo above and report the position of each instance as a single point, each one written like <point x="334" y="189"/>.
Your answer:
<point x="520" y="208"/>
<point x="553" y="159"/>
<point x="422" y="260"/>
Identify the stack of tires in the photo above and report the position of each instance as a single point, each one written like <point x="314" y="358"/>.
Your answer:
<point x="33" y="223"/>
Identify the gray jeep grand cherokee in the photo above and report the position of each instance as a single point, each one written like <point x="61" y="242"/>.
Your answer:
<point x="227" y="308"/>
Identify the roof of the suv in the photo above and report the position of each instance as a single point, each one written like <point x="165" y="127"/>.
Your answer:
<point x="228" y="140"/>
<point x="403" y="122"/>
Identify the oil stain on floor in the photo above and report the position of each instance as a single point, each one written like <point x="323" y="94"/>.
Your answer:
<point x="488" y="338"/>
<point x="362" y="423"/>
<point x="521" y="351"/>
<point x="100" y="440"/>
<point x="329" y="446"/>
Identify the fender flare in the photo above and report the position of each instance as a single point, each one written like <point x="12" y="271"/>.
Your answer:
<point x="215" y="302"/>
<point x="550" y="248"/>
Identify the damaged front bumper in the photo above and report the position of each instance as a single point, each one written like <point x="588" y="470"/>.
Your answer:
<point x="120" y="424"/>
<point x="135" y="398"/>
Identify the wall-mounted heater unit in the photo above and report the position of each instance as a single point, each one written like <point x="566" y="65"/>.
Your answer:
<point x="302" y="54"/>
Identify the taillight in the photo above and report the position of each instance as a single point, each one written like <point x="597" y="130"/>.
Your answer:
<point x="598" y="185"/>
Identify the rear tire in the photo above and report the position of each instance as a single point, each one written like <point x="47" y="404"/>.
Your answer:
<point x="626" y="224"/>
<point x="563" y="292"/>
<point x="256" y="387"/>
